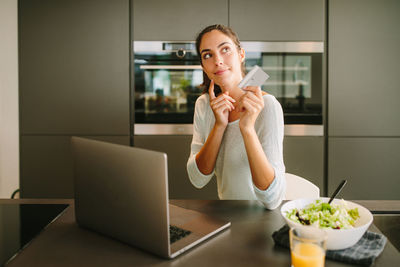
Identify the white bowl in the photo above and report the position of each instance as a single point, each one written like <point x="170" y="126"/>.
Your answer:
<point x="336" y="238"/>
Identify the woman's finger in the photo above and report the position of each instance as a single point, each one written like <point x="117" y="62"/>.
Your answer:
<point x="250" y="102"/>
<point x="228" y="104"/>
<point x="231" y="106"/>
<point x="249" y="105"/>
<point x="222" y="97"/>
<point x="211" y="90"/>
<point x="255" y="104"/>
<point x="257" y="100"/>
<point x="218" y="99"/>
<point x="228" y="97"/>
<point x="255" y="89"/>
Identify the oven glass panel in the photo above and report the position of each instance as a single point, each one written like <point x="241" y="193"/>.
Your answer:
<point x="167" y="91"/>
<point x="166" y="87"/>
<point x="295" y="80"/>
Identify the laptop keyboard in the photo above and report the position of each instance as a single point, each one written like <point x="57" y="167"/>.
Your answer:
<point x="176" y="233"/>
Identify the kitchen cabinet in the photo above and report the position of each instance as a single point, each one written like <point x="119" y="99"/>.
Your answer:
<point x="47" y="165"/>
<point x="364" y="55"/>
<point x="74" y="80"/>
<point x="284" y="20"/>
<point x="74" y="67"/>
<point x="302" y="155"/>
<point x="175" y="20"/>
<point x="363" y="121"/>
<point x="370" y="165"/>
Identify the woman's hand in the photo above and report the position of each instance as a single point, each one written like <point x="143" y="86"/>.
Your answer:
<point x="250" y="106"/>
<point x="221" y="106"/>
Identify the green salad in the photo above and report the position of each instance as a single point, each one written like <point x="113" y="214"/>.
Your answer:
<point x="324" y="215"/>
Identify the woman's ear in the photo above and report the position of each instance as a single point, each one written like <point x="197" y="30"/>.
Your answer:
<point x="242" y="54"/>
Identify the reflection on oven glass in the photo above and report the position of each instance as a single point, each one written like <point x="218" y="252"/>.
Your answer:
<point x="171" y="91"/>
<point x="287" y="75"/>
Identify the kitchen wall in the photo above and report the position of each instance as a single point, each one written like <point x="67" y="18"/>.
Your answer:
<point x="9" y="128"/>
<point x="74" y="80"/>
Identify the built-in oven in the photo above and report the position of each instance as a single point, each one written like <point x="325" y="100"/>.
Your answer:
<point x="168" y="76"/>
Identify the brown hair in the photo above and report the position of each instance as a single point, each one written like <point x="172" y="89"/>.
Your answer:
<point x="228" y="32"/>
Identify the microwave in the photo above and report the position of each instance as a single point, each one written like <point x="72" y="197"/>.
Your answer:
<point x="168" y="78"/>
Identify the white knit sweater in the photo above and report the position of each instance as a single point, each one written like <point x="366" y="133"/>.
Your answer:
<point x="232" y="168"/>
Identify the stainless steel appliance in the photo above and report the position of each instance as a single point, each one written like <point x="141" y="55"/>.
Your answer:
<point x="168" y="77"/>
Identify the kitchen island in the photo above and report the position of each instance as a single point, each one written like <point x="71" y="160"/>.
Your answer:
<point x="248" y="242"/>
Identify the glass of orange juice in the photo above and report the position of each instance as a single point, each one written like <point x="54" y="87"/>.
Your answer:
<point x="307" y="248"/>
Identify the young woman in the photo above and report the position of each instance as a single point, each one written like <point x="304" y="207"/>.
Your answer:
<point x="237" y="134"/>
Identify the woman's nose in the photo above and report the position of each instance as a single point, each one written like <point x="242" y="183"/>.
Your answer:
<point x="218" y="60"/>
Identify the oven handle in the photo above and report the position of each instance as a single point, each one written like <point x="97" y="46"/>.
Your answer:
<point x="170" y="67"/>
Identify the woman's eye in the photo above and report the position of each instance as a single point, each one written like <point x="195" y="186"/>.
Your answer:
<point x="206" y="56"/>
<point x="225" y="49"/>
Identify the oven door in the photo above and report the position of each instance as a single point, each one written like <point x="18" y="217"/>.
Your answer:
<point x="295" y="70"/>
<point x="168" y="76"/>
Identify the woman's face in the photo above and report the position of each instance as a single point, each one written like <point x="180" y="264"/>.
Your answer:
<point x="221" y="59"/>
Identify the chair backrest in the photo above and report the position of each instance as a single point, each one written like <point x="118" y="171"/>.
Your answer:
<point x="298" y="187"/>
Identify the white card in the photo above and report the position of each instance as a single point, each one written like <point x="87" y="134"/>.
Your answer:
<point x="255" y="77"/>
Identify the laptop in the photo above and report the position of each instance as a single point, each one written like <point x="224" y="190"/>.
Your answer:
<point x="122" y="192"/>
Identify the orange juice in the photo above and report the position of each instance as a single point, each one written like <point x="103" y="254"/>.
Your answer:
<point x="307" y="255"/>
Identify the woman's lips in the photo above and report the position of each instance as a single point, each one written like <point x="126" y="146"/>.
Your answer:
<point x="220" y="72"/>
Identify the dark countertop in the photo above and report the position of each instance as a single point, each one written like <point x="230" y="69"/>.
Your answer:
<point x="247" y="242"/>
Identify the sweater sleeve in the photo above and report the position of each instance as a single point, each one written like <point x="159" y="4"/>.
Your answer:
<point x="270" y="132"/>
<point x="200" y="134"/>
